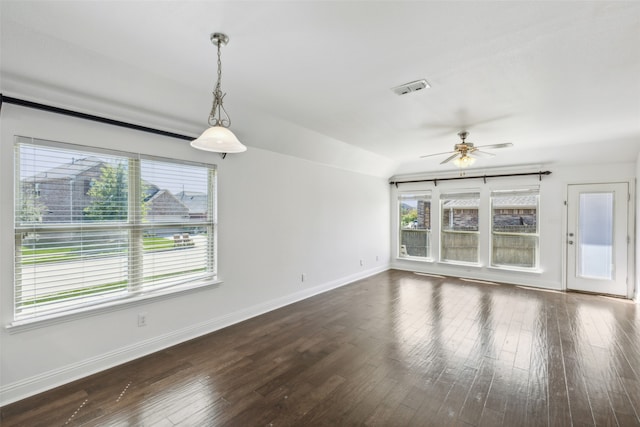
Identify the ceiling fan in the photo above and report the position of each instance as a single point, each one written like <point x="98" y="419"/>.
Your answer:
<point x="461" y="154"/>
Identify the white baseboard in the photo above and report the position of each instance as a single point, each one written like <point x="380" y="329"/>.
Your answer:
<point x="521" y="279"/>
<point x="39" y="383"/>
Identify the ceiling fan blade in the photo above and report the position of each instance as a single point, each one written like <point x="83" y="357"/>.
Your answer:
<point x="493" y="146"/>
<point x="479" y="153"/>
<point x="448" y="159"/>
<point x="438" y="154"/>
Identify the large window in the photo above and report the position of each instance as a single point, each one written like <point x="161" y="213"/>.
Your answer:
<point x="514" y="228"/>
<point x="459" y="230"/>
<point x="415" y="225"/>
<point x="94" y="227"/>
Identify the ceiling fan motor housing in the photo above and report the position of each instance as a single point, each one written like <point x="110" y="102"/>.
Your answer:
<point x="464" y="147"/>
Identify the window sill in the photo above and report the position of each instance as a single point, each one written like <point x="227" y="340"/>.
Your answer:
<point x="43" y="321"/>
<point x="414" y="258"/>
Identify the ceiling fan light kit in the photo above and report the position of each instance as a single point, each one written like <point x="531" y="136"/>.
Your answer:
<point x="464" y="161"/>
<point x="219" y="138"/>
<point x="461" y="154"/>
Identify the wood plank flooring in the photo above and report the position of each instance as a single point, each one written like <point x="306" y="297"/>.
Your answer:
<point x="396" y="349"/>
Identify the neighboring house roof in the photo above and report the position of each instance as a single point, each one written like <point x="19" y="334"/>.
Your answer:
<point x="504" y="202"/>
<point x="68" y="170"/>
<point x="519" y="202"/>
<point x="196" y="202"/>
<point x="149" y="190"/>
<point x="164" y="193"/>
<point x="462" y="203"/>
<point x="164" y="204"/>
<point x="78" y="167"/>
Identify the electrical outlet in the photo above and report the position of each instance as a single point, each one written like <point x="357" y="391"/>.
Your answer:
<point x="142" y="319"/>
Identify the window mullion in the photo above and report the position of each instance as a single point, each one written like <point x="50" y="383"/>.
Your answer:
<point x="213" y="221"/>
<point x="135" y="232"/>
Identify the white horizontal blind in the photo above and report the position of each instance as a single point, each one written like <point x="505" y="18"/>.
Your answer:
<point x="177" y="210"/>
<point x="93" y="227"/>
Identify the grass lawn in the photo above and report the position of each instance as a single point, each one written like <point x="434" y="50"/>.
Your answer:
<point x="34" y="256"/>
<point x="157" y="243"/>
<point x="38" y="255"/>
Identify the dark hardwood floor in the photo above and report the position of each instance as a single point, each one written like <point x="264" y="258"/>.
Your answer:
<point x="396" y="349"/>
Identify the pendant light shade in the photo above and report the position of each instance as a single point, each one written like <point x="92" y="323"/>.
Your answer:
<point x="219" y="138"/>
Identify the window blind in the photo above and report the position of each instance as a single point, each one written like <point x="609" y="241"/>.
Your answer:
<point x="94" y="226"/>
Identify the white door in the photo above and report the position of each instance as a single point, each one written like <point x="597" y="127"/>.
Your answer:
<point x="597" y="238"/>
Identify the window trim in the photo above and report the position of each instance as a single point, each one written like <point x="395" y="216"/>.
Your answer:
<point x="533" y="190"/>
<point x="427" y="195"/>
<point x="109" y="306"/>
<point x="484" y="227"/>
<point x="135" y="294"/>
<point x="449" y="195"/>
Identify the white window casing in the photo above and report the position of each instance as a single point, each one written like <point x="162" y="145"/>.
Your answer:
<point x="93" y="227"/>
<point x="515" y="228"/>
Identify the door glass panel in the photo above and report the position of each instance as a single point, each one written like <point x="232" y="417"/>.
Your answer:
<point x="595" y="232"/>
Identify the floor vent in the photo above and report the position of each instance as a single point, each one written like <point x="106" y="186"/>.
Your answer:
<point x="534" y="288"/>
<point x="429" y="275"/>
<point x="482" y="282"/>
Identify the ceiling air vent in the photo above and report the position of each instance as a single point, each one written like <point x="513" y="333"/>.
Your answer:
<point x="411" y="87"/>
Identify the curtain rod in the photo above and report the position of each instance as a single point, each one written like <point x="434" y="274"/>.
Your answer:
<point x="484" y="177"/>
<point x="66" y="112"/>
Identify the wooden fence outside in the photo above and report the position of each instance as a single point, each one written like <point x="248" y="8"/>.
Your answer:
<point x="508" y="249"/>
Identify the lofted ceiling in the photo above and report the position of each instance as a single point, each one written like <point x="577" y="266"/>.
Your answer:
<point x="313" y="79"/>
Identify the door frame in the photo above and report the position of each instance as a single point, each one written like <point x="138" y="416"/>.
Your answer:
<point x="631" y="233"/>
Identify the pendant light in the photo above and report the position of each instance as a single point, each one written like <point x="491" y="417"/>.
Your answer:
<point x="218" y="138"/>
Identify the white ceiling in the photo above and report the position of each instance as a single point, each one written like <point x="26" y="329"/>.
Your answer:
<point x="561" y="80"/>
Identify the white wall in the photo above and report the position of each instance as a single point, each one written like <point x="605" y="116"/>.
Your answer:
<point x="552" y="219"/>
<point x="278" y="217"/>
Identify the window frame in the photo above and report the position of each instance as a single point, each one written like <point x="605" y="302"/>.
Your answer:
<point x="136" y="289"/>
<point x="523" y="190"/>
<point x="425" y="195"/>
<point x="465" y="194"/>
